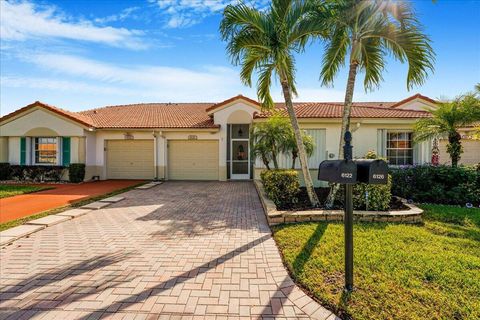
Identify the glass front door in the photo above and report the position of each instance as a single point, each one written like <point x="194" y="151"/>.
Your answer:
<point x="240" y="153"/>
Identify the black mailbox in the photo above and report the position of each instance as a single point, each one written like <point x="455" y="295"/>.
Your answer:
<point x="372" y="171"/>
<point x="338" y="171"/>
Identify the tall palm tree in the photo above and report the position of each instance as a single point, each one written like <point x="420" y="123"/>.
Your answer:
<point x="446" y="120"/>
<point x="265" y="42"/>
<point x="362" y="34"/>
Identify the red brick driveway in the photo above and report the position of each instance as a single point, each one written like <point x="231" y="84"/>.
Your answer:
<point x="20" y="206"/>
<point x="181" y="250"/>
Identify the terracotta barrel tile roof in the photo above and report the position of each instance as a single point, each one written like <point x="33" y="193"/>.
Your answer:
<point x="152" y="115"/>
<point x="359" y="110"/>
<point x="196" y="115"/>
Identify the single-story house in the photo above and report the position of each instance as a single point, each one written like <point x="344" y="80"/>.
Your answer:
<point x="199" y="141"/>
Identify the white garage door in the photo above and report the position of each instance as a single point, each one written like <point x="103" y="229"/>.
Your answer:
<point x="193" y="160"/>
<point x="130" y="159"/>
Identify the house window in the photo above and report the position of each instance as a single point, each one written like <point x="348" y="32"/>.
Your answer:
<point x="45" y="150"/>
<point x="399" y="148"/>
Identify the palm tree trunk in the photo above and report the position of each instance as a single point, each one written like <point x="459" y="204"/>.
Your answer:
<point x="266" y="162"/>
<point x="454" y="147"/>
<point x="347" y="108"/>
<point x="287" y="93"/>
<point x="294" y="159"/>
<point x="274" y="158"/>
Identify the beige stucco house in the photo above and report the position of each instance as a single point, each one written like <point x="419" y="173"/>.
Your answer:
<point x="198" y="141"/>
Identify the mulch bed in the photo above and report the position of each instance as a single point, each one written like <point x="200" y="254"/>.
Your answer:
<point x="303" y="202"/>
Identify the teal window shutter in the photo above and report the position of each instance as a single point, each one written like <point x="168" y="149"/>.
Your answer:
<point x="66" y="151"/>
<point x="23" y="150"/>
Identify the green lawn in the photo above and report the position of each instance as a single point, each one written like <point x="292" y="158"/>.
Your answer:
<point x="13" y="190"/>
<point x="429" y="271"/>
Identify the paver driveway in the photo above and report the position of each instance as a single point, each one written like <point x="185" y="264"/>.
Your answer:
<point x="178" y="250"/>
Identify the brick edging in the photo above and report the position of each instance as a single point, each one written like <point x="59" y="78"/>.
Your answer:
<point x="274" y="216"/>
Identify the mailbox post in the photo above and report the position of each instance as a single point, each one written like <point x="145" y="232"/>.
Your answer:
<point x="349" y="172"/>
<point x="348" y="218"/>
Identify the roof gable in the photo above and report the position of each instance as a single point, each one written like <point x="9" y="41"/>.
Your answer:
<point x="73" y="116"/>
<point x="226" y="103"/>
<point x="418" y="97"/>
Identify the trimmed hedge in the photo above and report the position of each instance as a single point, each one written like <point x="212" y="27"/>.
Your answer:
<point x="76" y="172"/>
<point x="281" y="186"/>
<point x="5" y="171"/>
<point x="37" y="173"/>
<point x="437" y="184"/>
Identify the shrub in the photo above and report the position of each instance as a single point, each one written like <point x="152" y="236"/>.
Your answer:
<point x="374" y="197"/>
<point x="437" y="184"/>
<point x="37" y="173"/>
<point x="76" y="172"/>
<point x="281" y="186"/>
<point x="5" y="171"/>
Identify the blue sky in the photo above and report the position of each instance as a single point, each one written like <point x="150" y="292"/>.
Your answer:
<point x="84" y="54"/>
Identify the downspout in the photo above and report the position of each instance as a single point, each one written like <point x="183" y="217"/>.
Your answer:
<point x="155" y="147"/>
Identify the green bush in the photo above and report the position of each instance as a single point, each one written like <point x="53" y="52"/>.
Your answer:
<point x="281" y="186"/>
<point x="37" y="172"/>
<point x="5" y="171"/>
<point x="374" y="197"/>
<point x="76" y="172"/>
<point x="437" y="184"/>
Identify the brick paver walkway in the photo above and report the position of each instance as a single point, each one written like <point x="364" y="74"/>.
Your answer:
<point x="182" y="250"/>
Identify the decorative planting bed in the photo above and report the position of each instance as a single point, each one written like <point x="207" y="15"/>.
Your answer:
<point x="411" y="215"/>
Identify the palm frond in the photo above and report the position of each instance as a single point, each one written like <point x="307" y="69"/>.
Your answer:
<point x="334" y="56"/>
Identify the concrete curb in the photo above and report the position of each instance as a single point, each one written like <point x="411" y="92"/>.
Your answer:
<point x="12" y="234"/>
<point x="48" y="220"/>
<point x="274" y="216"/>
<point x="149" y="185"/>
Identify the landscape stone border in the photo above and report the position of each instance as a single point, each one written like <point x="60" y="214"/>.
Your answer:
<point x="411" y="215"/>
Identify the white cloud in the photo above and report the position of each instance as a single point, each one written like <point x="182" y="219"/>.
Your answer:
<point x="185" y="13"/>
<point x="123" y="15"/>
<point x="59" y="85"/>
<point x="24" y="20"/>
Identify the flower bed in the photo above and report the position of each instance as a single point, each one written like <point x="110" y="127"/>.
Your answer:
<point x="409" y="214"/>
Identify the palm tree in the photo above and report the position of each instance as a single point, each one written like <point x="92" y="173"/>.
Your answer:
<point x="362" y="34"/>
<point x="264" y="42"/>
<point x="446" y="120"/>
<point x="290" y="146"/>
<point x="271" y="136"/>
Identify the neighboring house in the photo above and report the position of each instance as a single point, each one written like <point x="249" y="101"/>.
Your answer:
<point x="197" y="141"/>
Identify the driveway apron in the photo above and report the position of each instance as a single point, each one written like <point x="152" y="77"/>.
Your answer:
<point x="180" y="250"/>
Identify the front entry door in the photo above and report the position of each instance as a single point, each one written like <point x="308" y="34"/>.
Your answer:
<point x="239" y="151"/>
<point x="240" y="164"/>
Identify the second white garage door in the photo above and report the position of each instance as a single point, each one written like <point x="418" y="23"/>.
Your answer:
<point x="193" y="160"/>
<point x="130" y="159"/>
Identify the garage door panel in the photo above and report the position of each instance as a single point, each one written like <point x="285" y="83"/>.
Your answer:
<point x="130" y="159"/>
<point x="193" y="160"/>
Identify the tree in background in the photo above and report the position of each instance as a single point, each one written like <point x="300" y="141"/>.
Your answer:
<point x="447" y="118"/>
<point x="275" y="136"/>
<point x="264" y="41"/>
<point x="362" y="34"/>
